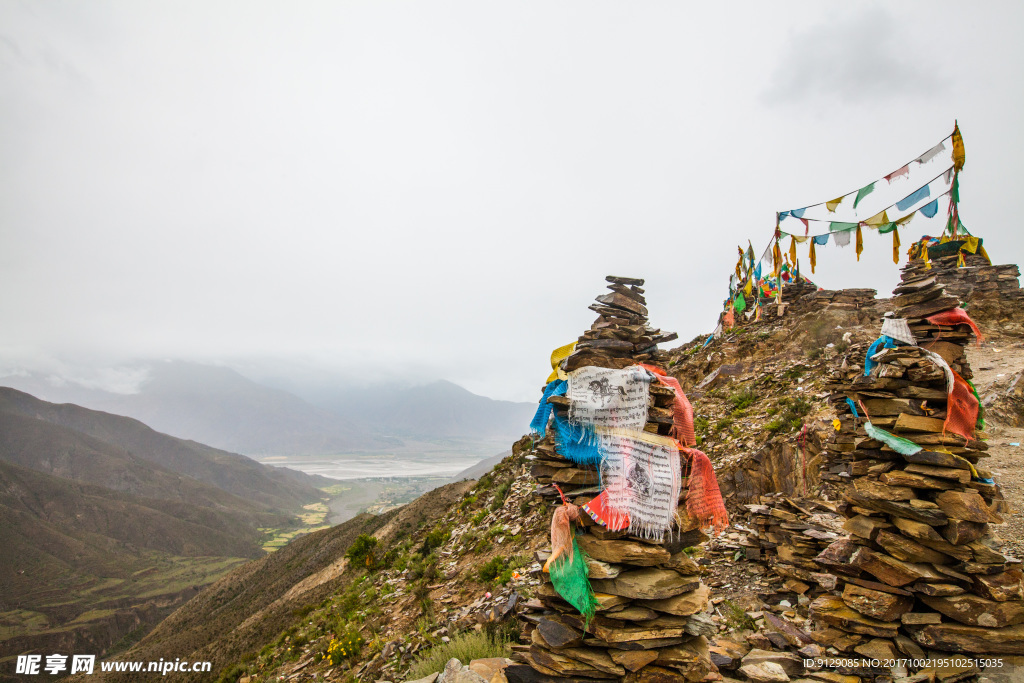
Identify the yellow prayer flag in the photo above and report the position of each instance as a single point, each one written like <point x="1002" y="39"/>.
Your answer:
<point x="896" y="246"/>
<point x="749" y="287"/>
<point x="970" y="244"/>
<point x="792" y="250"/>
<point x="982" y="252"/>
<point x="557" y="356"/>
<point x="833" y="204"/>
<point x="877" y="220"/>
<point x="906" y="219"/>
<point x="837" y="424"/>
<point x="812" y="257"/>
<point x="776" y="259"/>
<point x="860" y="242"/>
<point x="959" y="153"/>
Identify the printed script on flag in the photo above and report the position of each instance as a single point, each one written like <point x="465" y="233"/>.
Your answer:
<point x="604" y="397"/>
<point x="641" y="474"/>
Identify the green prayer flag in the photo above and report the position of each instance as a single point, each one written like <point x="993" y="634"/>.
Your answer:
<point x="836" y="226"/>
<point x="741" y="303"/>
<point x="570" y="579"/>
<point x="887" y="228"/>
<point x="954" y="191"/>
<point x="862" y="193"/>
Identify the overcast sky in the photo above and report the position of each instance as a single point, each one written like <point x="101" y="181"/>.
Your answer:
<point x="439" y="188"/>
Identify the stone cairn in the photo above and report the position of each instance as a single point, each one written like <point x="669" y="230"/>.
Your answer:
<point x="649" y="624"/>
<point x="921" y="567"/>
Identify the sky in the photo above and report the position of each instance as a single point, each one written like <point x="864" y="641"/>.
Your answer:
<point x="437" y="189"/>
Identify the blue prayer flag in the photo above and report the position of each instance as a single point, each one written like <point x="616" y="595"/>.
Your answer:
<point x="912" y="199"/>
<point x="821" y="239"/>
<point x="931" y="208"/>
<point x="798" y="213"/>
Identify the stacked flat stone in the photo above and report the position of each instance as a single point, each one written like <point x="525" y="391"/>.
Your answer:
<point x="978" y="281"/>
<point x="921" y="567"/>
<point x="787" y="534"/>
<point x="650" y="624"/>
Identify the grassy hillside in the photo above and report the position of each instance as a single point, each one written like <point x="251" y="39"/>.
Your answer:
<point x="107" y="525"/>
<point x="252" y="607"/>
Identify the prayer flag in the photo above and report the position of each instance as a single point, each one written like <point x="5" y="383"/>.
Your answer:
<point x="833" y="204"/>
<point x="860" y="242"/>
<point x="792" y="249"/>
<point x="931" y="208"/>
<point x="557" y="356"/>
<point x="862" y="193"/>
<point x="913" y="198"/>
<point x="842" y="239"/>
<point x="895" y="246"/>
<point x="821" y="240"/>
<point x="954" y="192"/>
<point x="877" y="220"/>
<point x="812" y="255"/>
<point x="641" y="473"/>
<point x="959" y="153"/>
<point x="905" y="171"/>
<point x="931" y="154"/>
<point x="798" y="213"/>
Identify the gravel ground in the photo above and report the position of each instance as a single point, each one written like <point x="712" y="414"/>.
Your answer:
<point x="993" y="362"/>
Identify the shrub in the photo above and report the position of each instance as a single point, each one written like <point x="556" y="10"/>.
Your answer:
<point x="344" y="647"/>
<point x="436" y="539"/>
<point x="479" y="517"/>
<point x="464" y="646"/>
<point x="491" y="570"/>
<point x="363" y="551"/>
<point x="500" y="495"/>
<point x="744" y="398"/>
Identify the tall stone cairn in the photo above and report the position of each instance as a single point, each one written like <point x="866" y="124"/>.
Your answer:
<point x="921" y="570"/>
<point x="650" y="625"/>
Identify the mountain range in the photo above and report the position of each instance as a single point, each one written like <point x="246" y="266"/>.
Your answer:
<point x="218" y="406"/>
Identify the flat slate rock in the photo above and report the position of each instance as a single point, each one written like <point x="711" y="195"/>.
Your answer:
<point x="971" y="640"/>
<point x="647" y="584"/>
<point x="974" y="610"/>
<point x="623" y="551"/>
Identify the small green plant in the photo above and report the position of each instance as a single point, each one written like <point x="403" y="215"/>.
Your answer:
<point x="344" y="647"/>
<point x="744" y="398"/>
<point x="482" y="546"/>
<point x="464" y="646"/>
<point x="735" y="616"/>
<point x="499" y="496"/>
<point x="436" y="539"/>
<point x="491" y="570"/>
<point x="479" y="517"/>
<point x="362" y="552"/>
<point x="776" y="425"/>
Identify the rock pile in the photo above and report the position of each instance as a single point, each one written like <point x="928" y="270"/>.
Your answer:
<point x="978" y="279"/>
<point x="921" y="566"/>
<point x="788" y="534"/>
<point x="649" y="625"/>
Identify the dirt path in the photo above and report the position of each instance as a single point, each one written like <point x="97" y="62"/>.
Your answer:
<point x="994" y="362"/>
